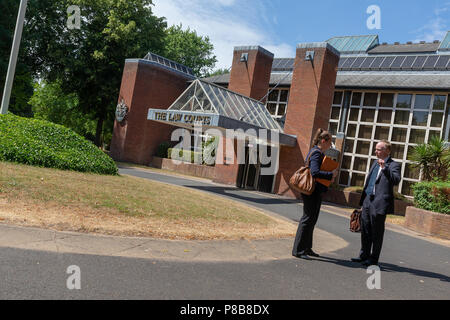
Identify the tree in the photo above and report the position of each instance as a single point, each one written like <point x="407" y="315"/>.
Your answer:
<point x="217" y="72"/>
<point x="50" y="103"/>
<point x="433" y="158"/>
<point x="186" y="47"/>
<point x="89" y="62"/>
<point x="23" y="83"/>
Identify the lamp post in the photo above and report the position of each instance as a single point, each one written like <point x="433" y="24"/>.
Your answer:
<point x="13" y="57"/>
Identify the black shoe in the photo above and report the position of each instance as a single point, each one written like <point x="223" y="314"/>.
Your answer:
<point x="357" y="259"/>
<point x="312" y="253"/>
<point x="369" y="262"/>
<point x="302" y="256"/>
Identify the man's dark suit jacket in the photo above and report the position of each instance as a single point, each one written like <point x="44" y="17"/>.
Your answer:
<point x="384" y="187"/>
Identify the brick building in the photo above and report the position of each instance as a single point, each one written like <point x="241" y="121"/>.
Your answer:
<point x="360" y="90"/>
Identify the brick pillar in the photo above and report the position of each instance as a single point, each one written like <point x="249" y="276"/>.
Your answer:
<point x="310" y="100"/>
<point x="145" y="85"/>
<point x="250" y="78"/>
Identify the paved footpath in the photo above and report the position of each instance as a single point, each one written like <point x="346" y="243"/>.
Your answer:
<point x="34" y="262"/>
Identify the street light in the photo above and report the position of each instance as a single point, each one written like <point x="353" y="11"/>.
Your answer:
<point x="13" y="57"/>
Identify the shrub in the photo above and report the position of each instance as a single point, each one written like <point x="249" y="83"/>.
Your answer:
<point x="186" y="156"/>
<point x="432" y="196"/>
<point x="397" y="196"/>
<point x="433" y="158"/>
<point x="162" y="150"/>
<point x="42" y="143"/>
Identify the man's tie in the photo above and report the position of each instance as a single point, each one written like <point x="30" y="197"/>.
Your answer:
<point x="372" y="179"/>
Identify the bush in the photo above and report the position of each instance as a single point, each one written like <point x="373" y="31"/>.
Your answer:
<point x="45" y="144"/>
<point x="357" y="189"/>
<point x="186" y="156"/>
<point x="162" y="150"/>
<point x="432" y="196"/>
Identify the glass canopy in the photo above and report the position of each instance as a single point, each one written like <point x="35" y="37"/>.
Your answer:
<point x="204" y="97"/>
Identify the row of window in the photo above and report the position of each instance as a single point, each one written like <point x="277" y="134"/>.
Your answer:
<point x="405" y="119"/>
<point x="389" y="100"/>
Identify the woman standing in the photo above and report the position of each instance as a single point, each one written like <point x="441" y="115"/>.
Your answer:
<point x="311" y="204"/>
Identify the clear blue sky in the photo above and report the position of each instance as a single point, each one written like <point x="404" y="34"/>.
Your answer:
<point x="279" y="25"/>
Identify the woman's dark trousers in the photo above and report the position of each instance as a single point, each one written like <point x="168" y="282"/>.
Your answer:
<point x="304" y="237"/>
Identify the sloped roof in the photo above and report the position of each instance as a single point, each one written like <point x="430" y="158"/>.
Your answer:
<point x="405" y="48"/>
<point x="206" y="97"/>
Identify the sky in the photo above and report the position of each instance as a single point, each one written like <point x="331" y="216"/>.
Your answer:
<point x="279" y="25"/>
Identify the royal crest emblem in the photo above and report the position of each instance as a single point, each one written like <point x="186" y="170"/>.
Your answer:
<point x="121" y="111"/>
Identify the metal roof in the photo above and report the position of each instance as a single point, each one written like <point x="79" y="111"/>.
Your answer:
<point x="369" y="79"/>
<point x="405" y="48"/>
<point x="168" y="63"/>
<point x="354" y="44"/>
<point x="386" y="80"/>
<point x="396" y="63"/>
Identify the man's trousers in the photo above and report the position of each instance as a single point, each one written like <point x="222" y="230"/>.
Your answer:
<point x="372" y="232"/>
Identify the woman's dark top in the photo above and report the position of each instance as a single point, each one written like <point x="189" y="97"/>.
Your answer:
<point x="314" y="165"/>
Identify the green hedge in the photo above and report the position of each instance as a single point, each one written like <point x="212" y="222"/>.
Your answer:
<point x="188" y="156"/>
<point x="42" y="143"/>
<point x="432" y="196"/>
<point x="162" y="150"/>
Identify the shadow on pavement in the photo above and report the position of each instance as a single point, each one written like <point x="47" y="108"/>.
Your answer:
<point x="386" y="267"/>
<point x="229" y="193"/>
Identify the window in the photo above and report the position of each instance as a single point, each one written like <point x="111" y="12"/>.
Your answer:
<point x="384" y="116"/>
<point x="367" y="115"/>
<point x="422" y="101"/>
<point x="382" y="133"/>
<point x="404" y="118"/>
<point x="387" y="100"/>
<point x="335" y="114"/>
<point x="439" y="103"/>
<point x="401" y="117"/>
<point x="277" y="102"/>
<point x="337" y="100"/>
<point x="420" y="118"/>
<point x="370" y="99"/>
<point x="404" y="101"/>
<point x="356" y="98"/>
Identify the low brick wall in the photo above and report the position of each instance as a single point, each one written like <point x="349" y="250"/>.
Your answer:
<point x="428" y="222"/>
<point x="351" y="199"/>
<point x="187" y="168"/>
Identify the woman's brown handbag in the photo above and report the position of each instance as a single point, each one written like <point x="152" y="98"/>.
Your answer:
<point x="302" y="180"/>
<point x="355" y="221"/>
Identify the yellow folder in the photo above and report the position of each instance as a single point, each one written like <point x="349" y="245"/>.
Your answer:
<point x="329" y="165"/>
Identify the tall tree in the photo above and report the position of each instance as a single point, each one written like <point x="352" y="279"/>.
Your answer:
<point x="190" y="49"/>
<point x="89" y="61"/>
<point x="50" y="103"/>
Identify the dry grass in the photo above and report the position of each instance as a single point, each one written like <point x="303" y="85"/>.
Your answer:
<point x="122" y="205"/>
<point x="399" y="220"/>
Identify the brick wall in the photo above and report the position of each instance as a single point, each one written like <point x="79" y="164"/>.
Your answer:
<point x="251" y="79"/>
<point x="145" y="85"/>
<point x="310" y="100"/>
<point x="428" y="222"/>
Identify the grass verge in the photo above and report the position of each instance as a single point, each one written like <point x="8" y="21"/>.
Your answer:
<point x="122" y="205"/>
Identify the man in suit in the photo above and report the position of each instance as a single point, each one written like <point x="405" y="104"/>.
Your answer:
<point x="377" y="200"/>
